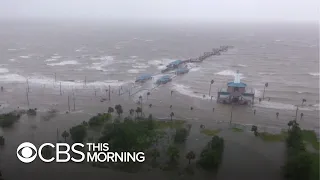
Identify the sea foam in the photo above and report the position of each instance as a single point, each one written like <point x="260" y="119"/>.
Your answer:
<point x="63" y="63"/>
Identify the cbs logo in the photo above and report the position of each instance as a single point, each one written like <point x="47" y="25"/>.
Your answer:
<point x="25" y="151"/>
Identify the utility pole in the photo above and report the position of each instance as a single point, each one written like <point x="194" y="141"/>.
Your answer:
<point x="27" y="93"/>
<point x="231" y="113"/>
<point x="297" y="113"/>
<point x="60" y="89"/>
<point x="28" y="85"/>
<point x="69" y="103"/>
<point x="74" y="103"/>
<point x="109" y="93"/>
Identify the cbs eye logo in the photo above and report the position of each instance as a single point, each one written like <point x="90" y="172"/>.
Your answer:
<point x="25" y="151"/>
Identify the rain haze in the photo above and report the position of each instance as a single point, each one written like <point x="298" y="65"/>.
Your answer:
<point x="181" y="10"/>
<point x="236" y="69"/>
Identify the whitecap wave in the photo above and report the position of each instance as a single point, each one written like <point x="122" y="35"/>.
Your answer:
<point x="133" y="57"/>
<point x="4" y="70"/>
<point x="186" y="90"/>
<point x="161" y="64"/>
<point x="282" y="106"/>
<point x="229" y="73"/>
<point x="266" y="73"/>
<point x="105" y="61"/>
<point x="56" y="56"/>
<point x="242" y="65"/>
<point x="63" y="63"/>
<point x="133" y="71"/>
<point x="50" y="60"/>
<point x="42" y="80"/>
<point x="193" y="67"/>
<point x="12" y="60"/>
<point x="314" y="74"/>
<point x="12" y="49"/>
<point x="24" y="57"/>
<point x="140" y="66"/>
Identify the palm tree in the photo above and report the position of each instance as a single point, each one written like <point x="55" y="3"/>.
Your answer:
<point x="148" y="94"/>
<point x="138" y="110"/>
<point x="212" y="81"/>
<point x="110" y="110"/>
<point x="303" y="101"/>
<point x="170" y="106"/>
<point x="2" y="141"/>
<point x="264" y="89"/>
<point x="171" y="115"/>
<point x="150" y="105"/>
<point x="255" y="130"/>
<point x="155" y="153"/>
<point x="65" y="135"/>
<point x="131" y="111"/>
<point x="301" y="115"/>
<point x="173" y="153"/>
<point x="140" y="97"/>
<point x="292" y="123"/>
<point x="277" y="114"/>
<point x="84" y="123"/>
<point x="171" y="93"/>
<point x="119" y="109"/>
<point x="190" y="156"/>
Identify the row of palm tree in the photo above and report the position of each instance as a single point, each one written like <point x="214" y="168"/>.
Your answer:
<point x="173" y="153"/>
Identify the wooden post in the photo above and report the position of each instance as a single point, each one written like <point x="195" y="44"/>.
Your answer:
<point x="74" y="103"/>
<point x="69" y="103"/>
<point x="119" y="90"/>
<point x="28" y="85"/>
<point x="27" y="93"/>
<point x="60" y="89"/>
<point x="297" y="113"/>
<point x="109" y="93"/>
<point x="231" y="113"/>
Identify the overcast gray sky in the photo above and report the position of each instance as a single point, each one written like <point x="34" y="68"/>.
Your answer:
<point x="188" y="10"/>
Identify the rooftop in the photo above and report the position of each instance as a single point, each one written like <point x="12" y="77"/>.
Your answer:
<point x="233" y="84"/>
<point x="176" y="62"/>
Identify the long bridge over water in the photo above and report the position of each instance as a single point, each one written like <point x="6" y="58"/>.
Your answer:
<point x="214" y="52"/>
<point x="179" y="63"/>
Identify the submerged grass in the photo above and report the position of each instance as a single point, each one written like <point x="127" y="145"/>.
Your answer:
<point x="307" y="135"/>
<point x="234" y="129"/>
<point x="210" y="132"/>
<point x="273" y="137"/>
<point x="311" y="137"/>
<point x="170" y="124"/>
